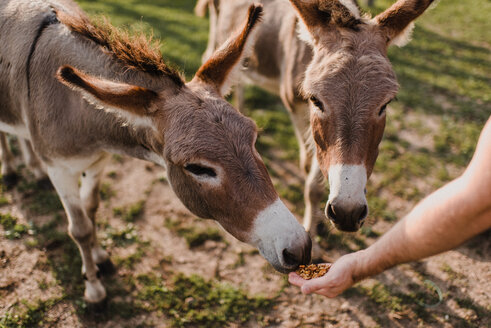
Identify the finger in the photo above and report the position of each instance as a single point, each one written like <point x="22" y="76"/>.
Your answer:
<point x="295" y="279"/>
<point x="313" y="285"/>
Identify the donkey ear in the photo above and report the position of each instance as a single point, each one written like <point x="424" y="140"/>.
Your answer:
<point x="396" y="21"/>
<point x="131" y="101"/>
<point x="312" y="18"/>
<point x="218" y="70"/>
<point x="319" y="15"/>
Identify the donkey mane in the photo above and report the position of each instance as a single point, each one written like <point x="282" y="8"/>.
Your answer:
<point x="136" y="51"/>
<point x="339" y="14"/>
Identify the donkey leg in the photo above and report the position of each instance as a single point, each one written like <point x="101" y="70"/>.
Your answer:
<point x="9" y="176"/>
<point x="80" y="228"/>
<point x="239" y="97"/>
<point x="200" y="10"/>
<point x="314" y="191"/>
<point x="299" y="114"/>
<point x="31" y="160"/>
<point x="89" y="195"/>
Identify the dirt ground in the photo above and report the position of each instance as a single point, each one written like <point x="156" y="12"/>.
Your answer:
<point x="31" y="274"/>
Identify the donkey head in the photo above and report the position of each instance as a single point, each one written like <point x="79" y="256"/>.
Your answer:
<point x="208" y="149"/>
<point x="349" y="83"/>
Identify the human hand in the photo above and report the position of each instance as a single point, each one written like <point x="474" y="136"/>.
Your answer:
<point x="339" y="278"/>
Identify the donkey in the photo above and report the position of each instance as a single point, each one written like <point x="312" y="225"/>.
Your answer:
<point x="329" y="64"/>
<point x="118" y="96"/>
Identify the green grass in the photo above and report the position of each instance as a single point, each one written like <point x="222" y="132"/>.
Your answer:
<point x="130" y="213"/>
<point x="194" y="236"/>
<point x="13" y="230"/>
<point x="38" y="200"/>
<point x="191" y="301"/>
<point x="446" y="68"/>
<point x="31" y="314"/>
<point x="120" y="237"/>
<point x="106" y="192"/>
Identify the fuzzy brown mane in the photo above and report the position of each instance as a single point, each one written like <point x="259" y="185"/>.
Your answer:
<point x="137" y="52"/>
<point x="339" y="14"/>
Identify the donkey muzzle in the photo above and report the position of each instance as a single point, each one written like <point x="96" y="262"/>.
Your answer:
<point x="281" y="240"/>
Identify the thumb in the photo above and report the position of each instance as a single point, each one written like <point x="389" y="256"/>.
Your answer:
<point x="313" y="285"/>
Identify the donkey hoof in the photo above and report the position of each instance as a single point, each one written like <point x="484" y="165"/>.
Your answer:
<point x="44" y="184"/>
<point x="107" y="268"/>
<point x="10" y="180"/>
<point x="94" y="292"/>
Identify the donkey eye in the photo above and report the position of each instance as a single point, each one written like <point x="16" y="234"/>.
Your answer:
<point x="200" y="170"/>
<point x="317" y="103"/>
<point x="383" y="108"/>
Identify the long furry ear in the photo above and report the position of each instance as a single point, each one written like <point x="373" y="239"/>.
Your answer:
<point x="304" y="33"/>
<point x="218" y="71"/>
<point x="134" y="103"/>
<point x="404" y="37"/>
<point x="317" y="16"/>
<point x="396" y="21"/>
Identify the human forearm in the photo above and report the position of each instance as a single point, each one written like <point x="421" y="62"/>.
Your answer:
<point x="440" y="222"/>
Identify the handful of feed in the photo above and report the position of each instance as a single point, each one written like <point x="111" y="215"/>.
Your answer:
<point x="310" y="271"/>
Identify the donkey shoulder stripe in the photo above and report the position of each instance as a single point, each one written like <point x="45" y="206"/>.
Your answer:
<point x="47" y="21"/>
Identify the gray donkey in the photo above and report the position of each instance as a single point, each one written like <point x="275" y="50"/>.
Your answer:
<point x="79" y="91"/>
<point x="329" y="65"/>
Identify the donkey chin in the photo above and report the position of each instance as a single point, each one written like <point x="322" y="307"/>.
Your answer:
<point x="280" y="239"/>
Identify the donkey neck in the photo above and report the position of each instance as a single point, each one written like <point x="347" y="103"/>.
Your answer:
<point x="71" y="126"/>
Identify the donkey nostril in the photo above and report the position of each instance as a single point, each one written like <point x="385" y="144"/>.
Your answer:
<point x="331" y="213"/>
<point x="291" y="259"/>
<point x="363" y="213"/>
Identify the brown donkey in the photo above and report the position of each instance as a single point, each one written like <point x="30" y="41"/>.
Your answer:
<point x="328" y="63"/>
<point x="136" y="105"/>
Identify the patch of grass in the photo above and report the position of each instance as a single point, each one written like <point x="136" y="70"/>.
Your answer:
<point x="45" y="203"/>
<point x="130" y="213"/>
<point x="37" y="200"/>
<point x="275" y="132"/>
<point x="381" y="295"/>
<point x="332" y="238"/>
<point x="369" y="232"/>
<point x="468" y="303"/>
<point x="446" y="69"/>
<point x="118" y="158"/>
<point x="7" y="221"/>
<point x="194" y="236"/>
<point x="194" y="302"/>
<point x="13" y="230"/>
<point x="134" y="258"/>
<point x="4" y="201"/>
<point x="32" y="314"/>
<point x="293" y="193"/>
<point x="106" y="192"/>
<point x="452" y="275"/>
<point x="456" y="142"/>
<point x="112" y="174"/>
<point x="378" y="206"/>
<point x="121" y="237"/>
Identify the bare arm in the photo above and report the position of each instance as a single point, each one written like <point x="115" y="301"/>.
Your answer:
<point x="443" y="220"/>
